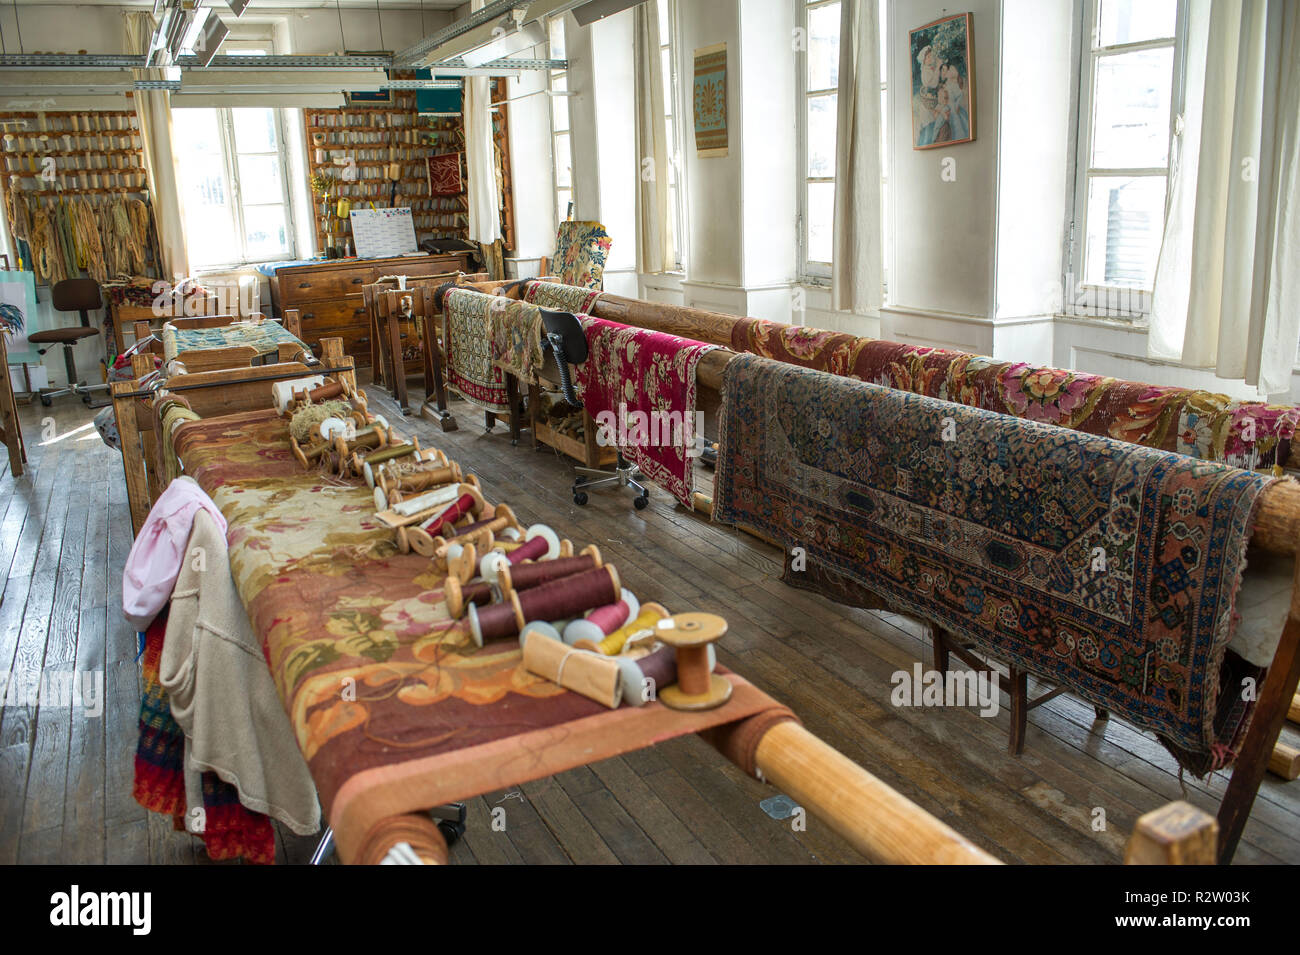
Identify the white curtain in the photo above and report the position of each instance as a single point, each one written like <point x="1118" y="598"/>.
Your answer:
<point x="653" y="248"/>
<point x="480" y="158"/>
<point x="857" y="270"/>
<point x="153" y="108"/>
<point x="1227" y="286"/>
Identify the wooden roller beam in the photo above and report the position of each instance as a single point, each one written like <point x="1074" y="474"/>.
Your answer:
<point x="884" y="825"/>
<point x="1293" y="714"/>
<point x="1174" y="834"/>
<point x="1284" y="761"/>
<point x="1277" y="522"/>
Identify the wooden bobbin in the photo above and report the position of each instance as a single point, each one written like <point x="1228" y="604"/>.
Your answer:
<point x="697" y="687"/>
<point x="507" y="586"/>
<point x="481" y="537"/>
<point x="392" y="452"/>
<point x="463" y="565"/>
<point x="453" y="592"/>
<point x="421" y="541"/>
<point x="521" y="621"/>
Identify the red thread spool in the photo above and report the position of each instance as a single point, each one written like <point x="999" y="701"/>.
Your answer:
<point x="529" y="550"/>
<point x="567" y="597"/>
<point x="459" y="596"/>
<point x="610" y="617"/>
<point x="528" y="576"/>
<point x="454" y="512"/>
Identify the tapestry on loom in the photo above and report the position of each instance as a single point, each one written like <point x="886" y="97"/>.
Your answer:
<point x="1104" y="567"/>
<point x="516" y="331"/>
<point x="644" y="382"/>
<point x="561" y="298"/>
<point x="228" y="829"/>
<point x="265" y="337"/>
<point x="470" y="368"/>
<point x="1202" y="424"/>
<point x="335" y="604"/>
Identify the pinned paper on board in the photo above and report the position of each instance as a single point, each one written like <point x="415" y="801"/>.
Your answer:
<point x="380" y="233"/>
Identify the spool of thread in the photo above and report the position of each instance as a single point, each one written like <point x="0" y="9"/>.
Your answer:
<point x="491" y="565"/>
<point x="603" y="621"/>
<point x="479" y="533"/>
<point x="613" y="643"/>
<point x="567" y="597"/>
<point x="282" y="392"/>
<point x="447" y="518"/>
<point x="460" y="595"/>
<point x="391" y="453"/>
<point x="643" y="676"/>
<point x="528" y="576"/>
<point x="538" y="626"/>
<point x="326" y="391"/>
<point x="697" y="686"/>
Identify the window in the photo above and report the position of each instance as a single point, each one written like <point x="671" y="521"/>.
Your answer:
<point x="231" y="164"/>
<point x="819" y="80"/>
<point x="561" y="151"/>
<point x="1127" y="104"/>
<point x="667" y="10"/>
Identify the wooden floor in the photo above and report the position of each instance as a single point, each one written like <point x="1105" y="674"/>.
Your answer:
<point x="65" y="780"/>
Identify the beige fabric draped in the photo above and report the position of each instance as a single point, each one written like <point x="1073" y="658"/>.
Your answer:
<point x="653" y="248"/>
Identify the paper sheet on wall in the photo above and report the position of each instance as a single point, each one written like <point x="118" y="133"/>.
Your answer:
<point x="383" y="232"/>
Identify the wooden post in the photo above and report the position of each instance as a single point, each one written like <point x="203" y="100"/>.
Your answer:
<point x="142" y="331"/>
<point x="434" y="407"/>
<point x="137" y="492"/>
<point x="1270" y="712"/>
<point x="882" y="824"/>
<point x="9" y="427"/>
<point x="1175" y="834"/>
<point x="292" y="322"/>
<point x="331" y="351"/>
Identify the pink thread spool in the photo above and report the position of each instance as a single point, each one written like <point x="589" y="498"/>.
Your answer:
<point x="603" y="621"/>
<point x="454" y="512"/>
<point x="540" y="543"/>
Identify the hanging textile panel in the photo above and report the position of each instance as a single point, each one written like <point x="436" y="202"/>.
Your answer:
<point x="644" y="383"/>
<point x="710" y="101"/>
<point x="378" y="681"/>
<point x="1202" y="424"/>
<point x="516" y="331"/>
<point x="1104" y="567"/>
<point x="581" y="250"/>
<point x="470" y="368"/>
<point x="561" y="298"/>
<point x="444" y="175"/>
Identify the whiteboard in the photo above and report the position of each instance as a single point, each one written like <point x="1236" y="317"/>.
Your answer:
<point x="383" y="232"/>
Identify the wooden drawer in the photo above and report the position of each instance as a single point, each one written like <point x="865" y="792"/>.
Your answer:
<point x="356" y="342"/>
<point x="322" y="285"/>
<point x="319" y="317"/>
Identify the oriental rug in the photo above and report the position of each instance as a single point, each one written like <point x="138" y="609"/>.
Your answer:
<point x="470" y="368"/>
<point x="561" y="298"/>
<point x="1101" y="566"/>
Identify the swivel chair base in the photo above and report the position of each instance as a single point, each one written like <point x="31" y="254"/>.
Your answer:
<point x="624" y="474"/>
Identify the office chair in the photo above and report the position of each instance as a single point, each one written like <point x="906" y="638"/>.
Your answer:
<point x="567" y="342"/>
<point x="71" y="295"/>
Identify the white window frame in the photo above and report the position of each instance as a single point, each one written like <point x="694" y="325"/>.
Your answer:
<point x="676" y="145"/>
<point x="557" y="23"/>
<point x="812" y="272"/>
<point x="1110" y="301"/>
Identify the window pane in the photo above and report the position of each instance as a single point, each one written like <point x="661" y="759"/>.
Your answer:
<point x="664" y="20"/>
<point x="1131" y="116"/>
<point x="259" y="180"/>
<point x="1131" y="21"/>
<point x="1125" y="220"/>
<point x="821" y="134"/>
<point x="672" y="156"/>
<point x="820" y="220"/>
<point x="209" y="218"/>
<point x="666" y="64"/>
<point x="555" y="32"/>
<point x="884" y="132"/>
<point x="254" y="130"/>
<point x="560" y="104"/>
<point x="824" y="47"/>
<point x="884" y="44"/>
<point x="266" y="232"/>
<point x="562" y="199"/>
<point x="563" y="162"/>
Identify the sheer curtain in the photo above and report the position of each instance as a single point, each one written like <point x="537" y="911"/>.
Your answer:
<point x="652" y="248"/>
<point x="1227" y="286"/>
<point x="480" y="158"/>
<point x="153" y="108"/>
<point x="857" y="270"/>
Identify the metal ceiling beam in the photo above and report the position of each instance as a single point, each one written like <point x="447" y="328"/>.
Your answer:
<point x="115" y="61"/>
<point x="414" y="54"/>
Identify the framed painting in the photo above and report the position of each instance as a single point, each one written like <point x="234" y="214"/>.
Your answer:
<point x="710" y="99"/>
<point x="943" y="82"/>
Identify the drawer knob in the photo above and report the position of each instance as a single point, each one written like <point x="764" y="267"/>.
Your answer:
<point x="309" y="315"/>
<point x="358" y="280"/>
<point x="304" y="285"/>
<point x="358" y="311"/>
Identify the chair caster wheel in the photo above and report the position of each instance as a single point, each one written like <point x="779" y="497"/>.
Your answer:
<point x="641" y="503"/>
<point x="580" y="498"/>
<point x="451" y="831"/>
<point x="47" y="401"/>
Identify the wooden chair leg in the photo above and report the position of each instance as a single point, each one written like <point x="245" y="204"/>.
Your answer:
<point x="1019" y="691"/>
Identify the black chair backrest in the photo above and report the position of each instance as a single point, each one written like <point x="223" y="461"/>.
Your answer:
<point x="567" y="326"/>
<point x="76" y="295"/>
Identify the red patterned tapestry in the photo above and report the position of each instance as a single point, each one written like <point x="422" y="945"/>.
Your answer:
<point x="640" y="386"/>
<point x="1202" y="424"/>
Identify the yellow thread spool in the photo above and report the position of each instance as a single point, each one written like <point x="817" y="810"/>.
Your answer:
<point x="650" y="614"/>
